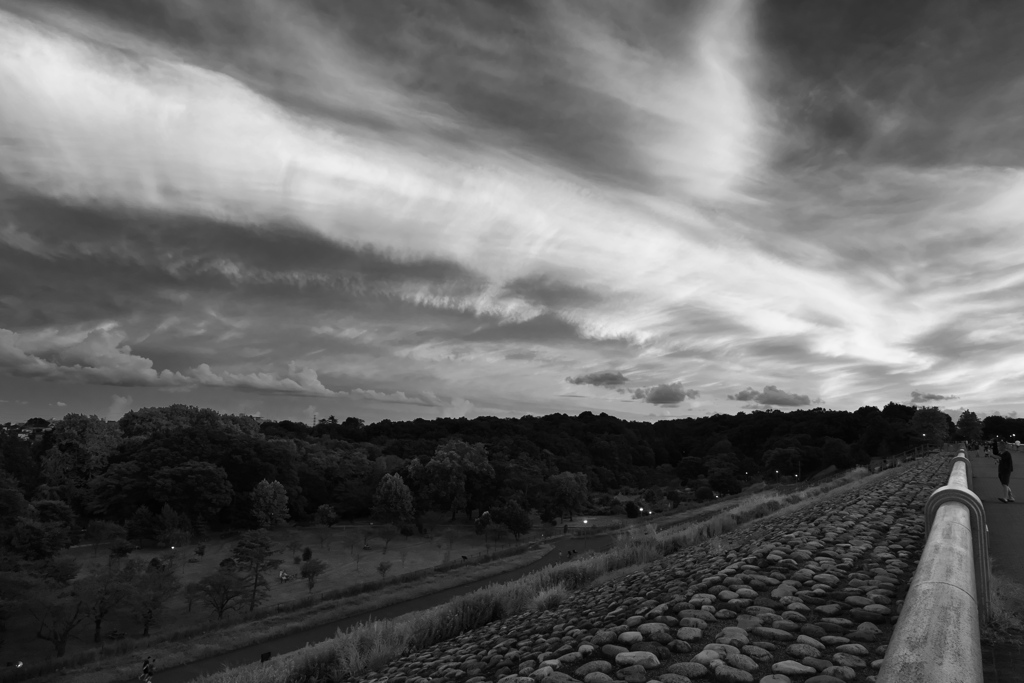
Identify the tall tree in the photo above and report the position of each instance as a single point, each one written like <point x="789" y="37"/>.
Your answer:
<point x="198" y="489"/>
<point x="82" y="447"/>
<point x="969" y="426"/>
<point x="783" y="460"/>
<point x="39" y="540"/>
<point x="102" y="592"/>
<point x="221" y="591"/>
<point x="326" y="515"/>
<point x="570" y="491"/>
<point x="254" y="555"/>
<point x="392" y="502"/>
<point x="457" y="477"/>
<point x="100" y="531"/>
<point x="311" y="570"/>
<point x="514" y="517"/>
<point x="931" y="423"/>
<point x="58" y="615"/>
<point x="269" y="504"/>
<point x="152" y="588"/>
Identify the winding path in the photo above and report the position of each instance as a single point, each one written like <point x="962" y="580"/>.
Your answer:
<point x="248" y="655"/>
<point x="559" y="547"/>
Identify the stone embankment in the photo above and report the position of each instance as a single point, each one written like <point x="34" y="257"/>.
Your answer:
<point x="808" y="595"/>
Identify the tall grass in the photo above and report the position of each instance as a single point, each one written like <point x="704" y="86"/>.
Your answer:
<point x="1006" y="611"/>
<point x="371" y="646"/>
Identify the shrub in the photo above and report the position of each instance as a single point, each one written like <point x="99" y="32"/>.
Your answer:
<point x="549" y="598"/>
<point x="704" y="493"/>
<point x="307" y="554"/>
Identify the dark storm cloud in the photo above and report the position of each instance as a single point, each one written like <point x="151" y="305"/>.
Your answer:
<point x="771" y="396"/>
<point x="665" y="394"/>
<point x="918" y="397"/>
<point x="599" y="379"/>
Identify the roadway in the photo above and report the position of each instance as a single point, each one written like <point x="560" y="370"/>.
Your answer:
<point x="1003" y="663"/>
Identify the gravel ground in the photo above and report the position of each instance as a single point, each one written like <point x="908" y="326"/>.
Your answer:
<point x="810" y="595"/>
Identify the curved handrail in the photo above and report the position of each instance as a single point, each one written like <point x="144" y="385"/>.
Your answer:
<point x="958" y="490"/>
<point x="938" y="635"/>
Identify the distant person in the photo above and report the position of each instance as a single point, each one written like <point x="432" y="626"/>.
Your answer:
<point x="1005" y="468"/>
<point x="147" y="670"/>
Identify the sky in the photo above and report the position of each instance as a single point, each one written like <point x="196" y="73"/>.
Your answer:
<point x="416" y="209"/>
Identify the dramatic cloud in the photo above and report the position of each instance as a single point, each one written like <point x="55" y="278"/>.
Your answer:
<point x="355" y="208"/>
<point x="599" y="379"/>
<point x="665" y="394"/>
<point x="918" y="397"/>
<point x="771" y="396"/>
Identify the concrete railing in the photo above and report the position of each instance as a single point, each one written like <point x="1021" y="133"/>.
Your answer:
<point x="938" y="635"/>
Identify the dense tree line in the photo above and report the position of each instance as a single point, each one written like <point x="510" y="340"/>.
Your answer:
<point x="160" y="476"/>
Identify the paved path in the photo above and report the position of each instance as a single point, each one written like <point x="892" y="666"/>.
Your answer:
<point x="187" y="672"/>
<point x="560" y="546"/>
<point x="1003" y="663"/>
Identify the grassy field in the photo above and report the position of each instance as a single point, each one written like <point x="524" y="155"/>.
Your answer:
<point x="348" y="565"/>
<point x="373" y="645"/>
<point x="175" y="652"/>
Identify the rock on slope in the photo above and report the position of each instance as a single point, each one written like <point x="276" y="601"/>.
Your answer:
<point x="810" y="595"/>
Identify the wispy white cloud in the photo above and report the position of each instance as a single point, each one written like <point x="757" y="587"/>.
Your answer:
<point x="657" y="211"/>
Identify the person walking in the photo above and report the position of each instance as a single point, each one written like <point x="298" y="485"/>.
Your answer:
<point x="147" y="670"/>
<point x="1005" y="468"/>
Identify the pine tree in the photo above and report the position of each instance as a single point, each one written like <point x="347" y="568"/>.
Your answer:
<point x="253" y="556"/>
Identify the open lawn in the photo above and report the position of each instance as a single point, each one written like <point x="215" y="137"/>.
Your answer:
<point x="340" y="547"/>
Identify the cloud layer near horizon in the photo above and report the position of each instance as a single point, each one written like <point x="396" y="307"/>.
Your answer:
<point x="401" y="210"/>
